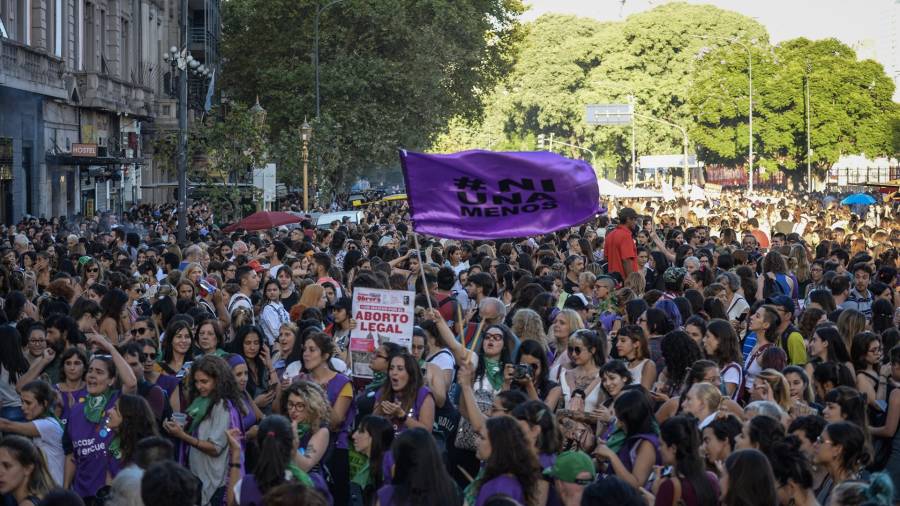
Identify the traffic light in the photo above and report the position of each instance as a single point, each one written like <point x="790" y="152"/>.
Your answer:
<point x="540" y="142"/>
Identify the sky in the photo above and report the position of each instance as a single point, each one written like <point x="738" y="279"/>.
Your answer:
<point x="848" y="21"/>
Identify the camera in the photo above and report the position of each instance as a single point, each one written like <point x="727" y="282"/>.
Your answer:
<point x="521" y="371"/>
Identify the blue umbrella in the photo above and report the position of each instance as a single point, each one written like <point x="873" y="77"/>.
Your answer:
<point x="858" y="198"/>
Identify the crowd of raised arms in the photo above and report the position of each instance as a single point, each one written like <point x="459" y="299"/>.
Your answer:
<point x="740" y="351"/>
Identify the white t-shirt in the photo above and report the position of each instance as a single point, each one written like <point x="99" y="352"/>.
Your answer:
<point x="295" y="368"/>
<point x="443" y="359"/>
<point x="50" y="444"/>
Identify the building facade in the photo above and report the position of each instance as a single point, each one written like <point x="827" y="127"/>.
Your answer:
<point x="82" y="85"/>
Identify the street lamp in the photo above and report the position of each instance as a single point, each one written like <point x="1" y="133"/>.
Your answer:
<point x="319" y="11"/>
<point x="750" y="77"/>
<point x="305" y="136"/>
<point x="181" y="62"/>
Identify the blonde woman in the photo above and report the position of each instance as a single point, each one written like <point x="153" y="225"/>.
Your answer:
<point x="850" y="323"/>
<point x="528" y="325"/>
<point x="799" y="263"/>
<point x="565" y="324"/>
<point x="703" y="401"/>
<point x="193" y="271"/>
<point x="771" y="385"/>
<point x="636" y="282"/>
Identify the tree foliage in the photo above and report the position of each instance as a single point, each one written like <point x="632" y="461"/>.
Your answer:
<point x="223" y="148"/>
<point x="851" y="110"/>
<point x="674" y="62"/>
<point x="392" y="72"/>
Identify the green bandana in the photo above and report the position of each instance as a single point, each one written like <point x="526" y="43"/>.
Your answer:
<point x="359" y="468"/>
<point x="378" y="380"/>
<point x="470" y="493"/>
<point x="115" y="448"/>
<point x="197" y="410"/>
<point x="220" y="353"/>
<point x="494" y="372"/>
<point x="302" y="430"/>
<point x="301" y="476"/>
<point x="95" y="406"/>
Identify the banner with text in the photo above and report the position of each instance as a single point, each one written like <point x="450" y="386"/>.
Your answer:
<point x="381" y="316"/>
<point x="495" y="195"/>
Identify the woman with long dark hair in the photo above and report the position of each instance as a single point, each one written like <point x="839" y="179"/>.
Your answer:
<point x="748" y="480"/>
<point x="419" y="474"/>
<point x="404" y="399"/>
<point x="13" y="364"/>
<point x="115" y="323"/>
<point x="866" y="352"/>
<point x="276" y="443"/>
<point x="511" y="467"/>
<point x="721" y="345"/>
<point x="25" y="476"/>
<point x="216" y="406"/>
<point x="640" y="451"/>
<point x="372" y="438"/>
<point x="581" y="385"/>
<point x="793" y="474"/>
<point x="249" y="343"/>
<point x="252" y="413"/>
<point x="318" y="351"/>
<point x="132" y="420"/>
<point x="827" y="345"/>
<point x="74" y="367"/>
<point x="764" y="324"/>
<point x="177" y="357"/>
<point x="542" y="431"/>
<point x="841" y="450"/>
<point x="680" y="448"/>
<point x="537" y="385"/>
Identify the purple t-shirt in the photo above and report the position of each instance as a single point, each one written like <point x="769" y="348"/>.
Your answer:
<point x="501" y="485"/>
<point x="423" y="393"/>
<point x="67" y="400"/>
<point x="342" y="441"/>
<point x="89" y="443"/>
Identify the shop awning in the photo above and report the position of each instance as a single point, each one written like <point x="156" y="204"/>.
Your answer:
<point x="67" y="159"/>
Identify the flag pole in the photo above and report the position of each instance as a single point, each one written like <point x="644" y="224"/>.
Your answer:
<point x="422" y="270"/>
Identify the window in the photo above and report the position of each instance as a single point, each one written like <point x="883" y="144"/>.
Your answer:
<point x="90" y="53"/>
<point x="126" y="51"/>
<point x="103" y="60"/>
<point x="57" y="28"/>
<point x="23" y="21"/>
<point x="4" y="15"/>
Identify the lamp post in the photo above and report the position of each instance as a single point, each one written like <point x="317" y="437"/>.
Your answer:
<point x="750" y="77"/>
<point x="305" y="136"/>
<point x="319" y="11"/>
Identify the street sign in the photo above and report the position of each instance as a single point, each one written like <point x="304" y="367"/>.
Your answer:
<point x="84" y="150"/>
<point x="609" y="114"/>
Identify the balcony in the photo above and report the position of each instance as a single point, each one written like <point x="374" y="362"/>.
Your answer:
<point x="99" y="91"/>
<point x="28" y="69"/>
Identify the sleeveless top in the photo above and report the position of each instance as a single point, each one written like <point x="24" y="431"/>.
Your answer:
<point x="423" y="393"/>
<point x="637" y="371"/>
<point x="592" y="399"/>
<point x="628" y="453"/>
<point x="335" y="385"/>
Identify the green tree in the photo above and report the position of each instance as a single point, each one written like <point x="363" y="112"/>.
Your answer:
<point x="223" y="148"/>
<point x="392" y="72"/>
<point x="568" y="62"/>
<point x="851" y="110"/>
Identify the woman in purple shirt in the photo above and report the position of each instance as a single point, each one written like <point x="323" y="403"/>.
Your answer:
<point x="511" y="466"/>
<point x="87" y="438"/>
<point x="318" y="351"/>
<point x="404" y="399"/>
<point x="419" y="474"/>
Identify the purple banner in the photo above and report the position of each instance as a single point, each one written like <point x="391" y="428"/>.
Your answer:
<point x="497" y="195"/>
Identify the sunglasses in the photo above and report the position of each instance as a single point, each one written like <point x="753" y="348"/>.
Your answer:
<point x="494" y="336"/>
<point x="93" y="269"/>
<point x="141" y="331"/>
<point x="575" y="350"/>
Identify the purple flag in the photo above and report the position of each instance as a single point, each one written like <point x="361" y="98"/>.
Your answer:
<point x="490" y="195"/>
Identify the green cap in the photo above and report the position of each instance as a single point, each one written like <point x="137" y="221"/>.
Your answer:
<point x="569" y="465"/>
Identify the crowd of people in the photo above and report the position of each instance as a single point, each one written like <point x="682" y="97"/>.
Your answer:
<point x="736" y="351"/>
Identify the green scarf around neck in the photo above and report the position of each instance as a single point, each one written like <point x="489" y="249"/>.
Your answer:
<point x="115" y="448"/>
<point x="494" y="372"/>
<point x="197" y="411"/>
<point x="378" y="380"/>
<point x="301" y="476"/>
<point x="95" y="406"/>
<point x="302" y="429"/>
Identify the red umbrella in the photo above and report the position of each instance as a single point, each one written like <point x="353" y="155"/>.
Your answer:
<point x="263" y="220"/>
